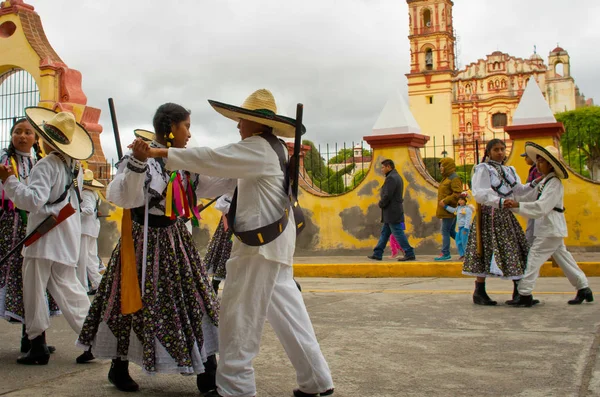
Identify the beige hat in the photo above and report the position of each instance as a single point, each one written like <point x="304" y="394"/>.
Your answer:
<point x="61" y="131"/>
<point x="146" y="135"/>
<point x="551" y="154"/>
<point x="260" y="107"/>
<point x="89" y="182"/>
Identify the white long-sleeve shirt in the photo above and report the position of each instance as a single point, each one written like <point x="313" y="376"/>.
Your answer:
<point x="47" y="183"/>
<point x="261" y="197"/>
<point x="548" y="222"/>
<point x="486" y="176"/>
<point x="128" y="188"/>
<point x="90" y="224"/>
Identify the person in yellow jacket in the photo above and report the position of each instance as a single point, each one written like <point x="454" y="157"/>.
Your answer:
<point x="448" y="193"/>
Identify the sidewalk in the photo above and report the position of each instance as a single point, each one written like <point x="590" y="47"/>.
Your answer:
<point x="424" y="266"/>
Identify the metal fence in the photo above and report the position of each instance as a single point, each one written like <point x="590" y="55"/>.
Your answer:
<point x="336" y="168"/>
<point x="18" y="90"/>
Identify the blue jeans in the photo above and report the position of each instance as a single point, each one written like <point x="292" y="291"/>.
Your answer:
<point x="386" y="231"/>
<point x="448" y="232"/>
<point x="461" y="240"/>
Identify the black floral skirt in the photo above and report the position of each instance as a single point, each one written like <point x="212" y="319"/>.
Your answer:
<point x="12" y="230"/>
<point x="504" y="246"/>
<point x="176" y="329"/>
<point x="219" y="251"/>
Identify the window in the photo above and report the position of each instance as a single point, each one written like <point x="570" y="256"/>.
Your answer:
<point x="427" y="17"/>
<point x="429" y="99"/>
<point x="429" y="59"/>
<point x="559" y="69"/>
<point x="499" y="120"/>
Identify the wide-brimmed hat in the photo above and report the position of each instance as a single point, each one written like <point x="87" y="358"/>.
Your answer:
<point x="551" y="154"/>
<point x="146" y="135"/>
<point x="61" y="131"/>
<point x="89" y="181"/>
<point x="260" y="107"/>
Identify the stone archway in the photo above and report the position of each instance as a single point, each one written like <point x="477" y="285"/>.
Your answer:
<point x="24" y="46"/>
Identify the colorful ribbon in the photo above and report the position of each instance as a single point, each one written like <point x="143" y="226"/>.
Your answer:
<point x="181" y="202"/>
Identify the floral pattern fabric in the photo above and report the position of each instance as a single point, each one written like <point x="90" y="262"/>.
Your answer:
<point x="219" y="251"/>
<point x="504" y="246"/>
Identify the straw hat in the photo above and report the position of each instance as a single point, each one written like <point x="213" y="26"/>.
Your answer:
<point x="89" y="181"/>
<point x="61" y="131"/>
<point x="146" y="135"/>
<point x="260" y="107"/>
<point x="551" y="154"/>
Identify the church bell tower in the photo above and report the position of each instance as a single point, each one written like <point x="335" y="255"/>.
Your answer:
<point x="432" y="66"/>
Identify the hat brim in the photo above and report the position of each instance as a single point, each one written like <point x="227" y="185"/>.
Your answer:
<point x="94" y="185"/>
<point x="533" y="150"/>
<point x="146" y="135"/>
<point x="81" y="146"/>
<point x="284" y="127"/>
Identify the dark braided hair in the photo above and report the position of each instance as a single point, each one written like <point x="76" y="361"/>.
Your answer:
<point x="489" y="147"/>
<point x="166" y="115"/>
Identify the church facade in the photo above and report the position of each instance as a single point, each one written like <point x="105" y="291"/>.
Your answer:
<point x="461" y="107"/>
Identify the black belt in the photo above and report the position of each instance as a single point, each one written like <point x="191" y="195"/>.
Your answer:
<point x="153" y="220"/>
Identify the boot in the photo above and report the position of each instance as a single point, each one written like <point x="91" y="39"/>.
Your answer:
<point x="299" y="393"/>
<point x="119" y="376"/>
<point x="207" y="381"/>
<point x="26" y="344"/>
<point x="480" y="297"/>
<point x="215" y="285"/>
<point x="524" y="301"/>
<point x="38" y="354"/>
<point x="515" y="293"/>
<point x="85" y="357"/>
<point x="584" y="294"/>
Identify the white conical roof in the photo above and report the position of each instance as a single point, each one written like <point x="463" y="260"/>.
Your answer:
<point x="533" y="108"/>
<point x="396" y="118"/>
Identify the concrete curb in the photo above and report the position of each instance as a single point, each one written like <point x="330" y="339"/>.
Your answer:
<point x="412" y="269"/>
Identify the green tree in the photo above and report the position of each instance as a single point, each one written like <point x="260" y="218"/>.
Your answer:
<point x="582" y="138"/>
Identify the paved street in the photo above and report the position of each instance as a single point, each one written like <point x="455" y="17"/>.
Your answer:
<point x="383" y="337"/>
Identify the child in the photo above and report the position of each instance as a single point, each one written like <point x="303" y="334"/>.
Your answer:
<point x="13" y="223"/>
<point x="448" y="193"/>
<point x="172" y="328"/>
<point x="89" y="264"/>
<point x="545" y="205"/>
<point x="497" y="246"/>
<point x="464" y="214"/>
<point x="219" y="248"/>
<point x="50" y="262"/>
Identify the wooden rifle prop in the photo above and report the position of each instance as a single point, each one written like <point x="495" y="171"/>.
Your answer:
<point x="295" y="166"/>
<point x="131" y="298"/>
<point x="47" y="224"/>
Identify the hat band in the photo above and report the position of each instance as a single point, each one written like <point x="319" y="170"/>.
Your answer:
<point x="56" y="134"/>
<point x="266" y="112"/>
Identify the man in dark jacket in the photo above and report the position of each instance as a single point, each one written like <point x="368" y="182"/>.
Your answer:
<point x="392" y="213"/>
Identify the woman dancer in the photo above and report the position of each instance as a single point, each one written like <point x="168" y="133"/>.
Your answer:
<point x="497" y="246"/>
<point x="173" y="328"/>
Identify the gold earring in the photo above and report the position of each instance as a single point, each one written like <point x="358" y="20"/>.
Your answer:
<point x="171" y="136"/>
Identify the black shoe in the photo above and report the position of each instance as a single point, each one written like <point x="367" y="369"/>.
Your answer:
<point x="207" y="381"/>
<point x="524" y="301"/>
<point x="515" y="293"/>
<point x="212" y="393"/>
<point x="584" y="294"/>
<point x="374" y="257"/>
<point x="299" y="393"/>
<point x="38" y="354"/>
<point x="92" y="292"/>
<point x="26" y="344"/>
<point x="85" y="357"/>
<point x="407" y="258"/>
<point x="119" y="376"/>
<point x="480" y="297"/>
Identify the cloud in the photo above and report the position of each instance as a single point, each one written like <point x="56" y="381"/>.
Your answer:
<point x="342" y="59"/>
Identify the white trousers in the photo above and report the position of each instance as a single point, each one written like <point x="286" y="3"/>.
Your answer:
<point x="61" y="281"/>
<point x="257" y="290"/>
<point x="89" y="263"/>
<point x="541" y="250"/>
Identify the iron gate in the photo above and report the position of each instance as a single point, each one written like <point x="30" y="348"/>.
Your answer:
<point x="18" y="90"/>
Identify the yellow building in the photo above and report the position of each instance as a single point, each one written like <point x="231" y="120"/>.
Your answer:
<point x="474" y="104"/>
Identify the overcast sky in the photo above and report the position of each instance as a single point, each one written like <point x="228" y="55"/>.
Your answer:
<point x="341" y="58"/>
